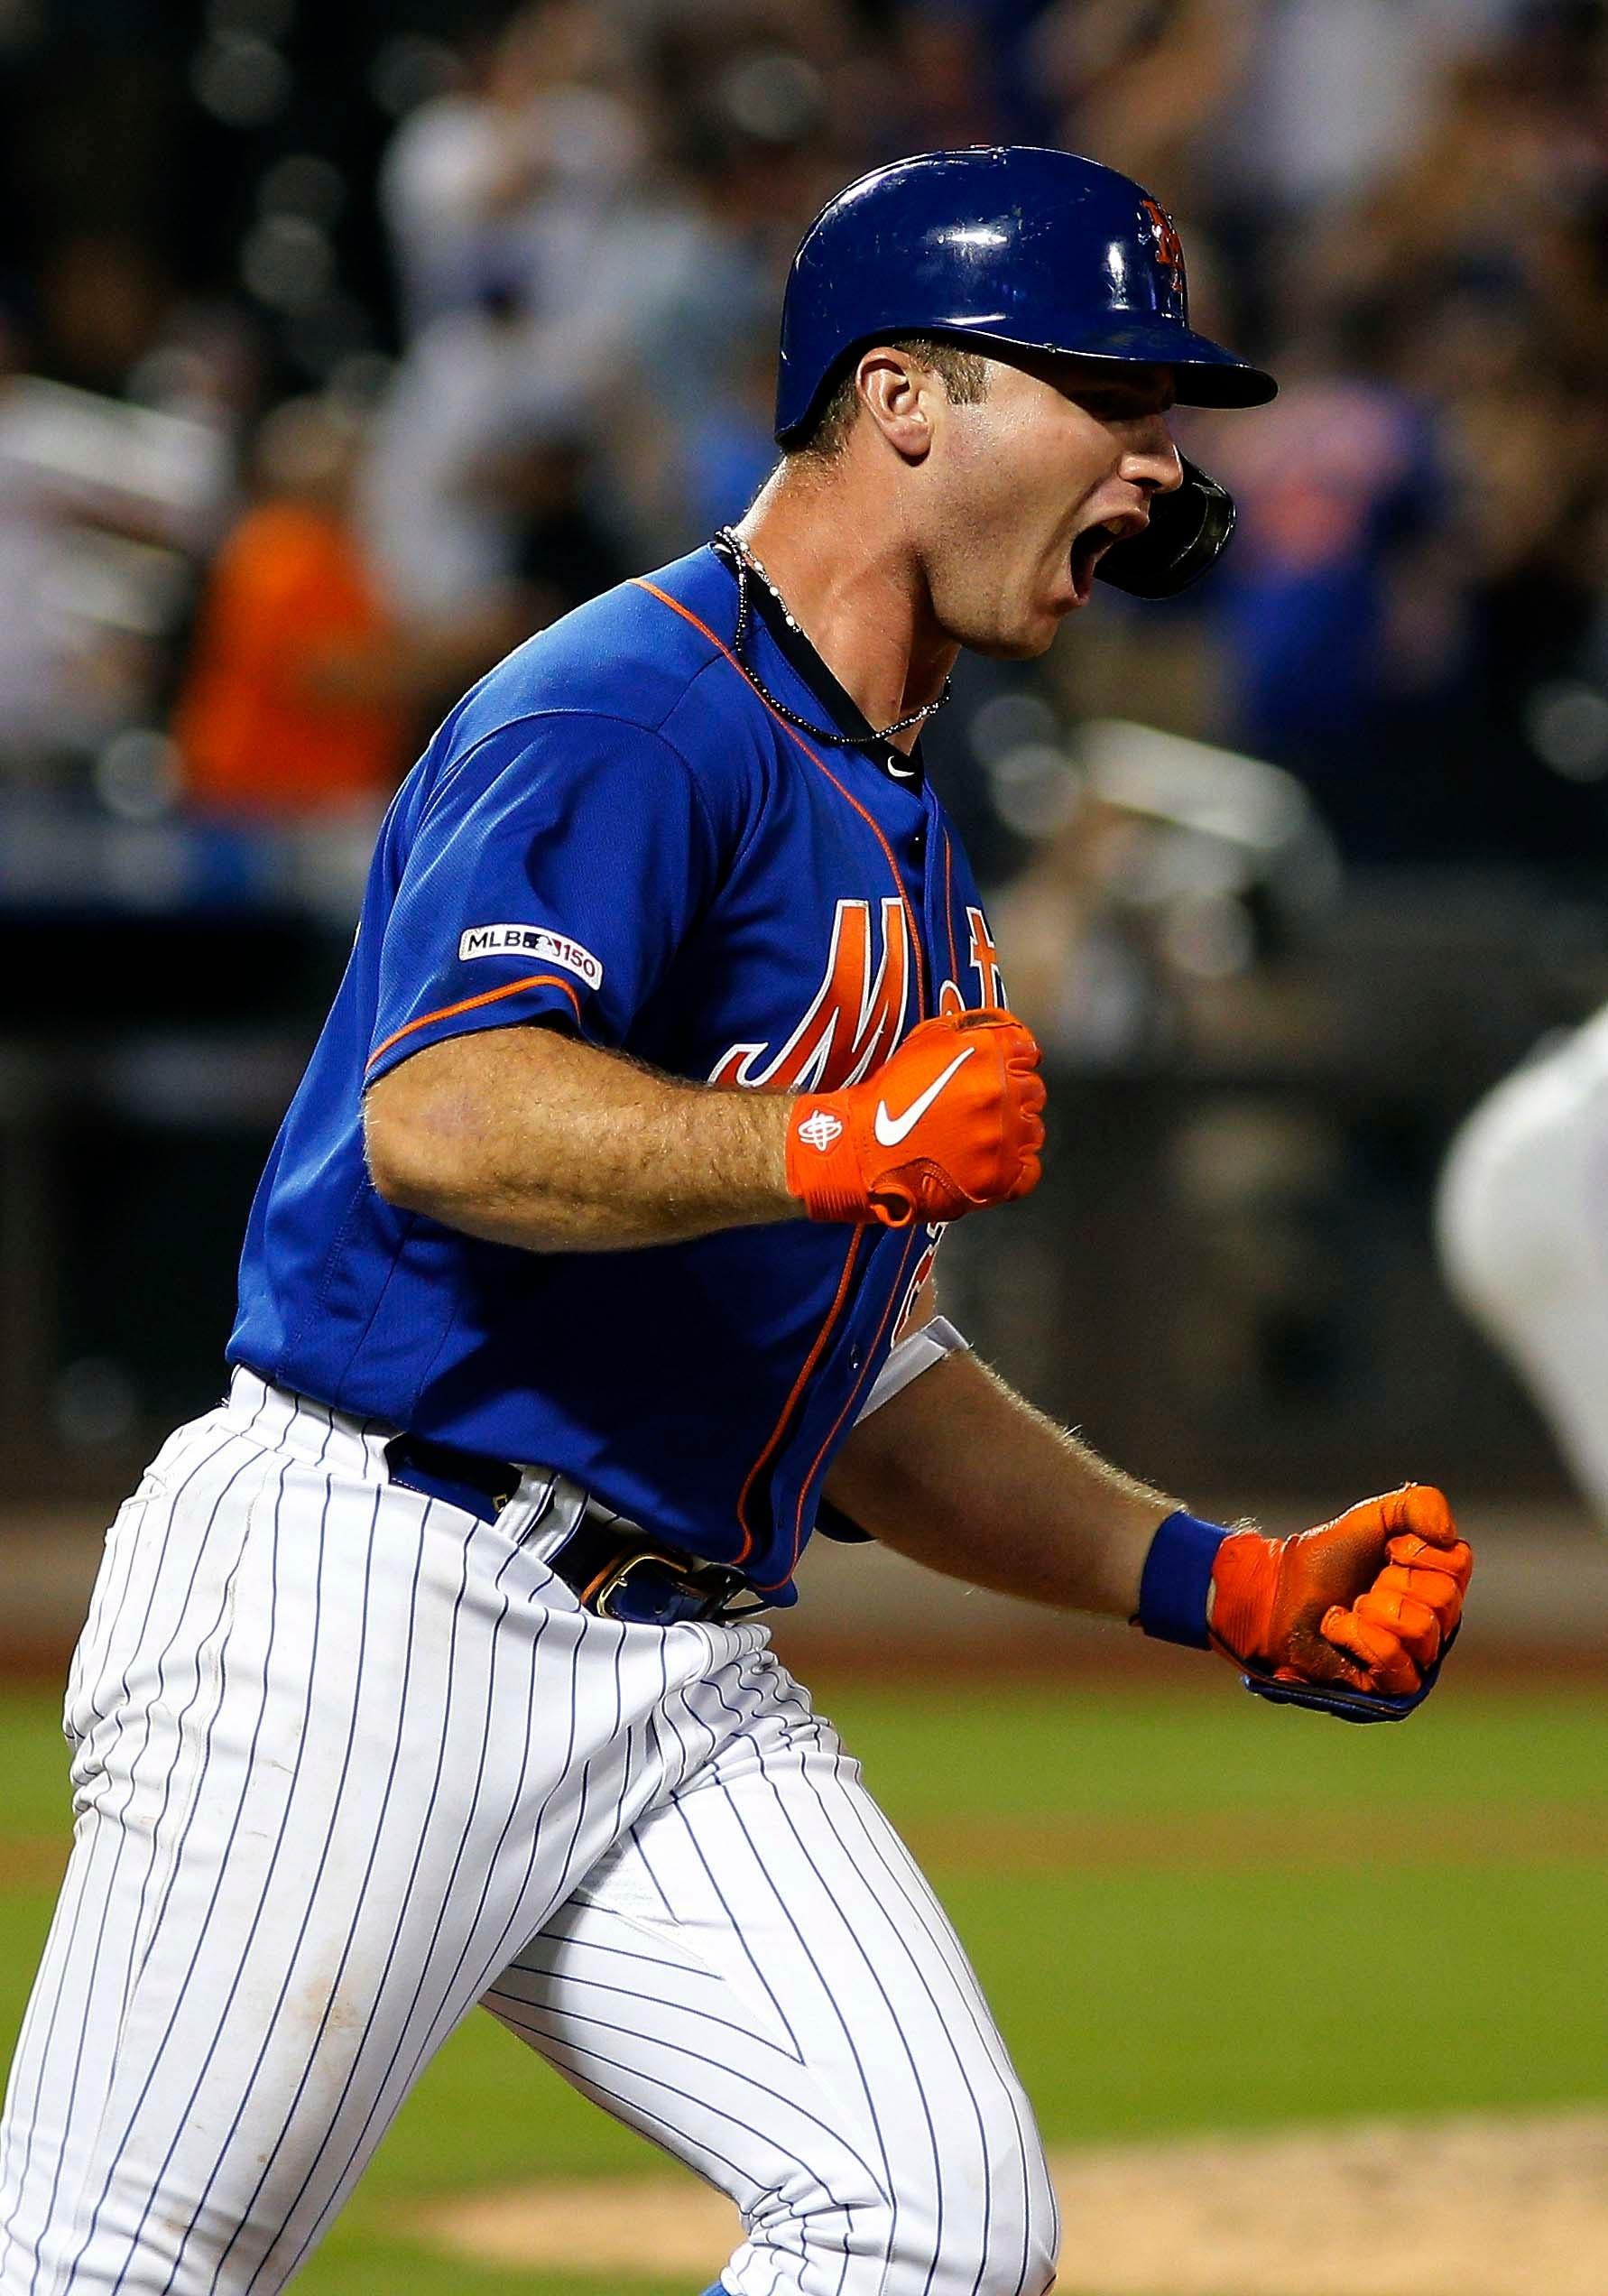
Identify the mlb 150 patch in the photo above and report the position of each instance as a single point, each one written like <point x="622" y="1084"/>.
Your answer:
<point x="531" y="940"/>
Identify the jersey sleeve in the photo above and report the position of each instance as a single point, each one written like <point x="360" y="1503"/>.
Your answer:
<point x="552" y="874"/>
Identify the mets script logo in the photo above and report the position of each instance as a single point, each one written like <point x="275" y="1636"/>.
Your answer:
<point x="855" y="1017"/>
<point x="1169" y="247"/>
<point x="983" y="958"/>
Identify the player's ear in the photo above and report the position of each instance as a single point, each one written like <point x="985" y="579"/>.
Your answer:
<point x="899" y="395"/>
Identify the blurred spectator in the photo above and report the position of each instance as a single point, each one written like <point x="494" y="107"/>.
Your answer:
<point x="727" y="447"/>
<point x="468" y="385"/>
<point x="1336" y="92"/>
<point x="563" y="552"/>
<point x="515" y="173"/>
<point x="1343" y="623"/>
<point x="1489" y="199"/>
<point x="101" y="506"/>
<point x="294" y="700"/>
<point x="35" y="653"/>
<point x="943" y="92"/>
<point x="1137" y="83"/>
<point x="103" y="298"/>
<point x="687" y="313"/>
<point x="1481" y="258"/>
<point x="658" y="358"/>
<point x="211" y="363"/>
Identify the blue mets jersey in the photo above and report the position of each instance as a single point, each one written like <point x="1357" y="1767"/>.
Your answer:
<point x="614" y="832"/>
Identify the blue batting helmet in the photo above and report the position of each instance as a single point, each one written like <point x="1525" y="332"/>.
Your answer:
<point x="1008" y="246"/>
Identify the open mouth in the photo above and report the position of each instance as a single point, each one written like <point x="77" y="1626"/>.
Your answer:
<point x="1087" y="550"/>
<point x="1090" y="547"/>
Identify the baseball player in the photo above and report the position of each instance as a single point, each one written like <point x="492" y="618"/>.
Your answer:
<point x="592" y="1267"/>
<point x="1523" y="1237"/>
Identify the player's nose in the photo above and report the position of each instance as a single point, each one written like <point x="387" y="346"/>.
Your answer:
<point x="1150" y="458"/>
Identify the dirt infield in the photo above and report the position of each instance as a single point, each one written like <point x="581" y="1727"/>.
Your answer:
<point x="1486" y="2205"/>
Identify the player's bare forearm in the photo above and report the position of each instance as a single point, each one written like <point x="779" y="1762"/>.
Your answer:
<point x="522" y="1136"/>
<point x="959" y="1473"/>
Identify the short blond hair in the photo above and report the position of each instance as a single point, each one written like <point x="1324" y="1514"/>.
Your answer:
<point x="964" y="375"/>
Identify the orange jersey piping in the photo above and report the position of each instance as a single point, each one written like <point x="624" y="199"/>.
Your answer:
<point x="796" y="1389"/>
<point x="949" y="914"/>
<point x="471" y="1004"/>
<point x="853" y="1397"/>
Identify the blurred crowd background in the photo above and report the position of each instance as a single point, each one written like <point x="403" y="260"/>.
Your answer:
<point x="343" y="346"/>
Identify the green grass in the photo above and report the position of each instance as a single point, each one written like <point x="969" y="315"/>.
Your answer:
<point x="35" y="1799"/>
<point x="1020" y="1751"/>
<point x="1243" y="2000"/>
<point x="1136" y="1998"/>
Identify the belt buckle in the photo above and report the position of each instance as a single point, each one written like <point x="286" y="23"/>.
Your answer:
<point x="620" y="1574"/>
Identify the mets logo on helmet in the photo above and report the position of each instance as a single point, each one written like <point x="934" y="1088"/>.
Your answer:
<point x="855" y="1017"/>
<point x="1169" y="247"/>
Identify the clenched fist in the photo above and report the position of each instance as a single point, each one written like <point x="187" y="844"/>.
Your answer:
<point x="948" y="1123"/>
<point x="1364" y="1604"/>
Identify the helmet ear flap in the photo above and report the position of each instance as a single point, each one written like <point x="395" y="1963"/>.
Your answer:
<point x="1189" y="530"/>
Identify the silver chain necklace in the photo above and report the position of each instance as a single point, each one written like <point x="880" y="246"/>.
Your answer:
<point x="728" y="540"/>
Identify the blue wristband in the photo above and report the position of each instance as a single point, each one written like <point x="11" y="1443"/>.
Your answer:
<point x="1176" y="1578"/>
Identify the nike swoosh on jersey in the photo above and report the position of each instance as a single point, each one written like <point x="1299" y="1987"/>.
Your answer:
<point x="892" y="1130"/>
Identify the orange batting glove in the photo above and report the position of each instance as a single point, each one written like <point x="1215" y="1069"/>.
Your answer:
<point x="1366" y="1603"/>
<point x="948" y="1123"/>
<point x="1353" y="1618"/>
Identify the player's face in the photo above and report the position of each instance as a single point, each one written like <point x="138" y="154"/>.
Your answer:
<point x="1032" y="485"/>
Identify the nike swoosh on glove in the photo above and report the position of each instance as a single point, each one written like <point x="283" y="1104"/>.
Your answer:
<point x="949" y="1123"/>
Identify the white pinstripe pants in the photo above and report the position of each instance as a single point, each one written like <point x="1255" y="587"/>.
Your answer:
<point x="348" y="1761"/>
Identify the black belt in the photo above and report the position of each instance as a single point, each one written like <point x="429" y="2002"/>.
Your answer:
<point x="611" y="1565"/>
